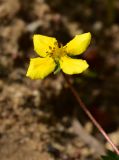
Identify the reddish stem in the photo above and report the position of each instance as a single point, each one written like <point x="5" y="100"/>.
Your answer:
<point x="83" y="106"/>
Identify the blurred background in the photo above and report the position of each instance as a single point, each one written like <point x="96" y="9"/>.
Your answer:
<point x="37" y="116"/>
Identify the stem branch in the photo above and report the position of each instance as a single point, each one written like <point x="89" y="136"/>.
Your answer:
<point x="83" y="106"/>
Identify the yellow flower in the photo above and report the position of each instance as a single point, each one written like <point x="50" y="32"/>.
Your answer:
<point x="54" y="56"/>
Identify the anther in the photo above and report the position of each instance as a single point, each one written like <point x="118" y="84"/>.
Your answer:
<point x="50" y="47"/>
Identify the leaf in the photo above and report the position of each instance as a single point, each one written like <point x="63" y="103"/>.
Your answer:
<point x="57" y="70"/>
<point x="110" y="156"/>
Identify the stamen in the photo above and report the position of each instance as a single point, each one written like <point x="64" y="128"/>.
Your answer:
<point x="50" y="47"/>
<point x="55" y="43"/>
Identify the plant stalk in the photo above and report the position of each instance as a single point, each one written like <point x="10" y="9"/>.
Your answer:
<point x="85" y="109"/>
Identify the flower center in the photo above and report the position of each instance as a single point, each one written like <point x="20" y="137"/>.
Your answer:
<point x="57" y="52"/>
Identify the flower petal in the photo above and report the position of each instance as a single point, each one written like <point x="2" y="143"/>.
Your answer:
<point x="43" y="44"/>
<point x="79" y="44"/>
<point x="40" y="67"/>
<point x="73" y="66"/>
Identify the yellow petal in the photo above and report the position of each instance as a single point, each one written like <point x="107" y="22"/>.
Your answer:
<point x="43" y="44"/>
<point x="79" y="44"/>
<point x="73" y="66"/>
<point x="40" y="67"/>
